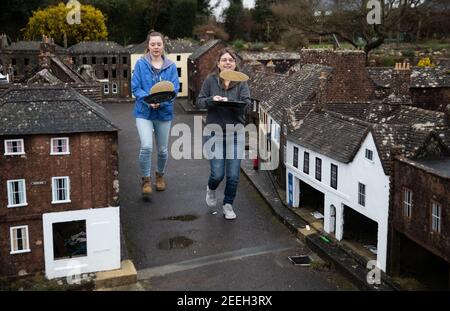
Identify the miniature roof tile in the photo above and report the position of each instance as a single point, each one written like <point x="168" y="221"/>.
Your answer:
<point x="299" y="87"/>
<point x="28" y="110"/>
<point x="436" y="77"/>
<point x="330" y="135"/>
<point x="404" y="127"/>
<point x="104" y="47"/>
<point x="204" y="48"/>
<point x="32" y="46"/>
<point x="256" y="56"/>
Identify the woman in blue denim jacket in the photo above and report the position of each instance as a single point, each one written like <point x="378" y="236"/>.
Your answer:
<point x="152" y="68"/>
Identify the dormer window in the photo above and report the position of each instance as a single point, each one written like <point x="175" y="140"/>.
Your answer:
<point x="14" y="147"/>
<point x="59" y="146"/>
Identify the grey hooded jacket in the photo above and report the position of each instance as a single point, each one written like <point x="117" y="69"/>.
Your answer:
<point x="223" y="115"/>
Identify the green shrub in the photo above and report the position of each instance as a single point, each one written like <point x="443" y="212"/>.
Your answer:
<point x="389" y="62"/>
<point x="238" y="45"/>
<point x="294" y="41"/>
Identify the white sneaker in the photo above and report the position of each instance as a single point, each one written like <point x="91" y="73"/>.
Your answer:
<point x="228" y="211"/>
<point x="211" y="199"/>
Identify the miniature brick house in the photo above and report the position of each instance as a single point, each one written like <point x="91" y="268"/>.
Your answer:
<point x="200" y="65"/>
<point x="420" y="214"/>
<point x="59" y="183"/>
<point x="111" y="63"/>
<point x="20" y="58"/>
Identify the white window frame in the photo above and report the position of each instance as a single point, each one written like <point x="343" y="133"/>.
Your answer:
<point x="26" y="241"/>
<point x="14" y="140"/>
<point x="407" y="202"/>
<point x="106" y="88"/>
<point x="52" y="145"/>
<point x="54" y="190"/>
<point x="114" y="88"/>
<point x="362" y="197"/>
<point x="369" y="151"/>
<point x="9" y="191"/>
<point x="436" y="217"/>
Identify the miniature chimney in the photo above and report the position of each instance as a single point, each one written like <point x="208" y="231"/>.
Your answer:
<point x="47" y="50"/>
<point x="270" y="67"/>
<point x="401" y="80"/>
<point x="3" y="41"/>
<point x="210" y="35"/>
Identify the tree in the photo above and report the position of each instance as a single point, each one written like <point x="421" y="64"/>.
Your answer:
<point x="347" y="20"/>
<point x="14" y="15"/>
<point x="201" y="30"/>
<point x="182" y="18"/>
<point x="233" y="15"/>
<point x="52" y="22"/>
<point x="266" y="23"/>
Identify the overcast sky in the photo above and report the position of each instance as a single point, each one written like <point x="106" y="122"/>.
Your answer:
<point x="247" y="4"/>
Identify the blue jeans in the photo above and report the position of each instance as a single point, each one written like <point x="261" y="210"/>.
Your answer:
<point x="145" y="129"/>
<point x="228" y="166"/>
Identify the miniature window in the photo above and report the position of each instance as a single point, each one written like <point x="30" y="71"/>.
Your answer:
<point x="94" y="60"/>
<point x="114" y="88"/>
<point x="105" y="60"/>
<point x="69" y="239"/>
<point x="19" y="240"/>
<point x="106" y="88"/>
<point x="318" y="169"/>
<point x="179" y="72"/>
<point x="60" y="190"/>
<point x="113" y="60"/>
<point x="125" y="73"/>
<point x="114" y="73"/>
<point x="407" y="202"/>
<point x="13" y="61"/>
<point x="369" y="154"/>
<point x="59" y="146"/>
<point x="105" y="74"/>
<point x="180" y="89"/>
<point x="361" y="194"/>
<point x="17" y="195"/>
<point x="14" y="147"/>
<point x="124" y="60"/>
<point x="334" y="176"/>
<point x="84" y="60"/>
<point x="26" y="61"/>
<point x="436" y="209"/>
<point x="295" y="157"/>
<point x="178" y="58"/>
<point x="306" y="163"/>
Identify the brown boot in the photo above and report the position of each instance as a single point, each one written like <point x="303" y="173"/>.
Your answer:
<point x="146" y="186"/>
<point x="160" y="183"/>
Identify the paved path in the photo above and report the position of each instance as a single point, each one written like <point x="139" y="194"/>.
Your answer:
<point x="206" y="252"/>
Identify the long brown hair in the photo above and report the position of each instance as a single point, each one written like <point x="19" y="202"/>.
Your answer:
<point x="153" y="33"/>
<point x="222" y="52"/>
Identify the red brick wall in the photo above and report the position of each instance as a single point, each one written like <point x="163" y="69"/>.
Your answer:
<point x="432" y="99"/>
<point x="202" y="68"/>
<point x="93" y="170"/>
<point x="425" y="187"/>
<point x="349" y="80"/>
<point x="31" y="262"/>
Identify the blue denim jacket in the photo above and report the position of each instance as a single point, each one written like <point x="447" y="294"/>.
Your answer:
<point x="144" y="77"/>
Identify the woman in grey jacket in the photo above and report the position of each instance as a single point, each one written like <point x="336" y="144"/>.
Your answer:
<point x="228" y="144"/>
